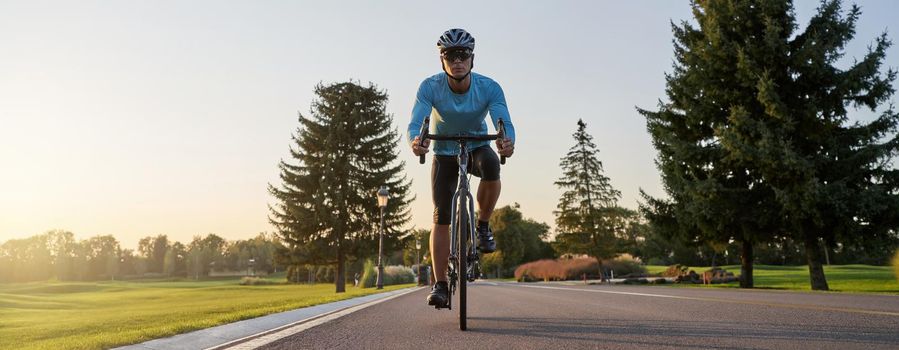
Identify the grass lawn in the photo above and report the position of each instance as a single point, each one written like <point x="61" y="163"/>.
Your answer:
<point x="840" y="278"/>
<point x="98" y="315"/>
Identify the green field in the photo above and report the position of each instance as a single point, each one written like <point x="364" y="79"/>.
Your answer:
<point x="840" y="278"/>
<point x="98" y="315"/>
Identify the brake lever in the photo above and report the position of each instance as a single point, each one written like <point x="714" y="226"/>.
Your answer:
<point x="422" y="136"/>
<point x="502" y="136"/>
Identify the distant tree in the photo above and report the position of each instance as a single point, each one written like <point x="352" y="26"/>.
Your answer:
<point x="518" y="240"/>
<point x="588" y="209"/>
<point x="61" y="245"/>
<point x="634" y="235"/>
<point x="261" y="249"/>
<point x="29" y="259"/>
<point x="325" y="204"/>
<point x="112" y="266"/>
<point x="169" y="261"/>
<point x="139" y="265"/>
<point x="203" y="254"/>
<point x="196" y="259"/>
<point x="99" y="251"/>
<point x="154" y="249"/>
<point x="126" y="263"/>
<point x="81" y="262"/>
<point x="423" y="236"/>
<point x="6" y="262"/>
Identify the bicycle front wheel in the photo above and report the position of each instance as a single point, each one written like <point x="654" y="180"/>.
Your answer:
<point x="463" y="235"/>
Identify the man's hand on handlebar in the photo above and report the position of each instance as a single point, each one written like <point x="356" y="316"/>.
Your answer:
<point x="420" y="150"/>
<point x="505" y="147"/>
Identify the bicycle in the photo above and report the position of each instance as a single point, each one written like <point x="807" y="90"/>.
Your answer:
<point x="462" y="229"/>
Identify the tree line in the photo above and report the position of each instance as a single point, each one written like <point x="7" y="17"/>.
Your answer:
<point x="56" y="254"/>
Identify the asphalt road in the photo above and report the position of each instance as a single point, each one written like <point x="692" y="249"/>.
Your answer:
<point x="554" y="316"/>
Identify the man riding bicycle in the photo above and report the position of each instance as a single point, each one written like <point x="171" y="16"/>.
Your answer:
<point x="458" y="101"/>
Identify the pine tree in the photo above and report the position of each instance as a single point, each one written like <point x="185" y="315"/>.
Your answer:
<point x="587" y="215"/>
<point x="326" y="209"/>
<point x="715" y="196"/>
<point x="833" y="178"/>
<point x="755" y="142"/>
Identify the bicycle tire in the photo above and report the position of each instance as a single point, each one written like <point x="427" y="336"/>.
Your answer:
<point x="463" y="265"/>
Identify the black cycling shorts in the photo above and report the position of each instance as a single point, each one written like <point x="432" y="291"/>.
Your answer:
<point x="482" y="162"/>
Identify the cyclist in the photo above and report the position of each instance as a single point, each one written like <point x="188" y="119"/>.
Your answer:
<point x="458" y="101"/>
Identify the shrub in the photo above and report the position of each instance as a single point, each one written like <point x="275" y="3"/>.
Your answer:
<point x="675" y="270"/>
<point x="369" y="275"/>
<point x="574" y="269"/>
<point x="398" y="275"/>
<point x="624" y="267"/>
<point x="546" y="270"/>
<point x="393" y="274"/>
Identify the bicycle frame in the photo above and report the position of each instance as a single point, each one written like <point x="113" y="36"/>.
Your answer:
<point x="464" y="202"/>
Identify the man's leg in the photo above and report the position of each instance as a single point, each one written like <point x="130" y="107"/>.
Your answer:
<point x="443" y="184"/>
<point x="440" y="251"/>
<point x="488" y="194"/>
<point x="486" y="166"/>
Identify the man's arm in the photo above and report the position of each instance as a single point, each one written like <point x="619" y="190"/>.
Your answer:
<point x="499" y="111"/>
<point x="422" y="109"/>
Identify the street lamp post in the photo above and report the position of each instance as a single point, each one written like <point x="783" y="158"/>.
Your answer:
<point x="382" y="203"/>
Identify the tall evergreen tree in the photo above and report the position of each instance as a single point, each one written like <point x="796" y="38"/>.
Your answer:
<point x="832" y="177"/>
<point x="588" y="212"/>
<point x="716" y="196"/>
<point x="326" y="208"/>
<point x="755" y="141"/>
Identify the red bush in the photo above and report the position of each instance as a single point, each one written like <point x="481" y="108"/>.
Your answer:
<point x="556" y="270"/>
<point x="572" y="269"/>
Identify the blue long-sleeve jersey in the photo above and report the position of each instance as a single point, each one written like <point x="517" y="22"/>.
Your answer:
<point x="453" y="113"/>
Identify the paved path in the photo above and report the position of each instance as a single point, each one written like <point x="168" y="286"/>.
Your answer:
<point x="556" y="316"/>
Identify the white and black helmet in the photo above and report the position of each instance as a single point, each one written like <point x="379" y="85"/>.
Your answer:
<point x="455" y="38"/>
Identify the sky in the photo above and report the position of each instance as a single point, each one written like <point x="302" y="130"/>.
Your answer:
<point x="139" y="118"/>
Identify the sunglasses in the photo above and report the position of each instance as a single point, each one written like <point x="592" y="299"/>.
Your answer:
<point x="452" y="56"/>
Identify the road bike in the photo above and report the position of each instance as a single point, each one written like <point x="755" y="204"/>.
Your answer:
<point x="462" y="229"/>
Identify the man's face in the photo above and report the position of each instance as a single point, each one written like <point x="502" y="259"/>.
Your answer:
<point x="457" y="61"/>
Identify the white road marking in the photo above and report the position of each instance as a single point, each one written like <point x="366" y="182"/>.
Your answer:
<point x="610" y="292"/>
<point x="749" y="302"/>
